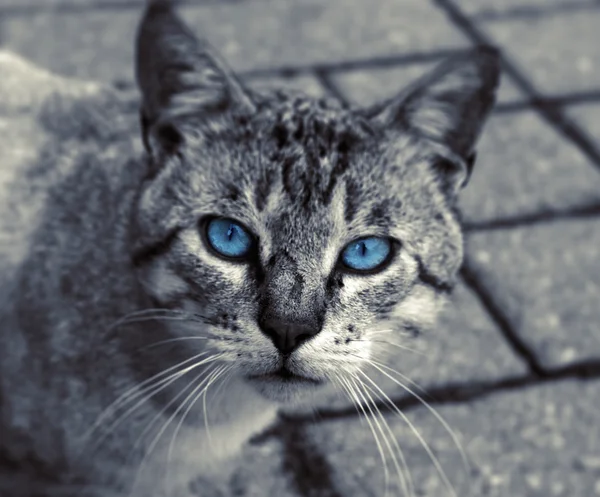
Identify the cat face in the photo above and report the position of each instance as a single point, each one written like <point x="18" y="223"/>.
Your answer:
<point x="292" y="231"/>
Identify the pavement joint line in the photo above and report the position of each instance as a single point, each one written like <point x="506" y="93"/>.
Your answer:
<point x="342" y="66"/>
<point x="331" y="68"/>
<point x="325" y="80"/>
<point x="290" y="72"/>
<point x="532" y="12"/>
<point x="551" y="114"/>
<point x="533" y="219"/>
<point x="308" y="469"/>
<point x="489" y="303"/>
<point x="567" y="99"/>
<point x="450" y="394"/>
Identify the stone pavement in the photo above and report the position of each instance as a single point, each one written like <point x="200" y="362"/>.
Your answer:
<point x="514" y="367"/>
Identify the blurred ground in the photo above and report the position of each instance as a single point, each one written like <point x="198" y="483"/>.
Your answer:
<point x="515" y="367"/>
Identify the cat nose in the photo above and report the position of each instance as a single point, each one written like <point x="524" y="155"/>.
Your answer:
<point x="286" y="335"/>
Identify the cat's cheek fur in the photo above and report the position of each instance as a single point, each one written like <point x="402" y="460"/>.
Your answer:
<point x="419" y="309"/>
<point x="162" y="283"/>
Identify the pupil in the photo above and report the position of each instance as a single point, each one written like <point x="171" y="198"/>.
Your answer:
<point x="230" y="232"/>
<point x="362" y="249"/>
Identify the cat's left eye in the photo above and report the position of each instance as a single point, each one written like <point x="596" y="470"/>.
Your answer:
<point x="367" y="254"/>
<point x="228" y="238"/>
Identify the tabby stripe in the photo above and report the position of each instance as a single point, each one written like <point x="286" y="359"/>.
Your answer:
<point x="146" y="253"/>
<point x="432" y="280"/>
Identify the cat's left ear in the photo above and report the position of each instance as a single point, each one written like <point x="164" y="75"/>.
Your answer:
<point x="181" y="78"/>
<point x="448" y="106"/>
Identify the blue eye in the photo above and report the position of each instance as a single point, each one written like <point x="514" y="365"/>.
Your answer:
<point x="367" y="254"/>
<point x="228" y="238"/>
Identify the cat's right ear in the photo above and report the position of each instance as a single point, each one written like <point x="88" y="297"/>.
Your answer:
<point x="447" y="106"/>
<point x="181" y="79"/>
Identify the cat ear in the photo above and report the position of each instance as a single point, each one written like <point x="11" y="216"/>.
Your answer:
<point x="448" y="106"/>
<point x="180" y="77"/>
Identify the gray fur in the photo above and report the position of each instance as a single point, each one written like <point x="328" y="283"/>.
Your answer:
<point x="94" y="229"/>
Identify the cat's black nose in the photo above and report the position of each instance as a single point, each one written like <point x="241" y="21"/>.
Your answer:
<point x="287" y="335"/>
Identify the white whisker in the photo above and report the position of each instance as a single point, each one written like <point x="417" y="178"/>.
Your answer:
<point x="204" y="407"/>
<point x="416" y="432"/>
<point x="161" y="385"/>
<point x="188" y="400"/>
<point x="379" y="421"/>
<point x="403" y="347"/>
<point x="179" y="339"/>
<point x="434" y="412"/>
<point x="165" y="425"/>
<point x="135" y="392"/>
<point x="145" y="312"/>
<point x="353" y="393"/>
<point x="144" y="319"/>
<point x="408" y="483"/>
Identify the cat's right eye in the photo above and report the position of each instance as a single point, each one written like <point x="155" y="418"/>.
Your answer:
<point x="228" y="238"/>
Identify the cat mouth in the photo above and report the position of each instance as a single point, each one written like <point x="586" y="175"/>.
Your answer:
<point x="284" y="375"/>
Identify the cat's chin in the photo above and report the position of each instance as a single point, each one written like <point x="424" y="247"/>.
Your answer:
<point x="284" y="387"/>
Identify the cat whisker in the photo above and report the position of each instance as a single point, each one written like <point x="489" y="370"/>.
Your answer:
<point x="158" y="415"/>
<point x="381" y="367"/>
<point x="188" y="400"/>
<point x="426" y="447"/>
<point x="146" y="394"/>
<point x="145" y="312"/>
<point x="165" y="425"/>
<point x="159" y="314"/>
<point x="179" y="339"/>
<point x="352" y="393"/>
<point x="136" y="391"/>
<point x="149" y="426"/>
<point x="338" y="384"/>
<point x="403" y="347"/>
<point x="218" y="396"/>
<point x="401" y="330"/>
<point x="380" y="422"/>
<point x="143" y="319"/>
<point x="174" y="377"/>
<point x="408" y="485"/>
<point x="204" y="406"/>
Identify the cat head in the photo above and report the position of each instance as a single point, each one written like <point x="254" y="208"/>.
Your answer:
<point x="291" y="229"/>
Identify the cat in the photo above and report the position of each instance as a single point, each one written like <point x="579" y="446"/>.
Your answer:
<point x="161" y="298"/>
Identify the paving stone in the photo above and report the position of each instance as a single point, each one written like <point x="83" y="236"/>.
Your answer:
<point x="546" y="278"/>
<point x="538" y="442"/>
<point x="466" y="347"/>
<point x="366" y="87"/>
<point x="525" y="167"/>
<point x="588" y="115"/>
<point x="260" y="472"/>
<point x="253" y="34"/>
<point x="75" y="4"/>
<point x="569" y="66"/>
<point x="26" y="6"/>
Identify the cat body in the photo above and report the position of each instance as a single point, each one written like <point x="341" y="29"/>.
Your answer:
<point x="135" y="358"/>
